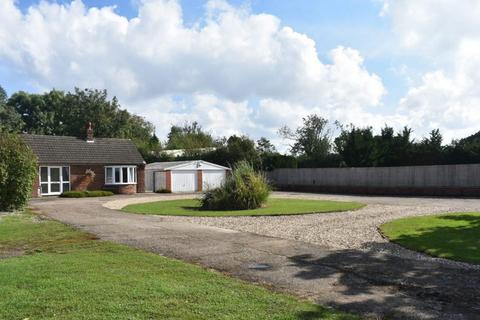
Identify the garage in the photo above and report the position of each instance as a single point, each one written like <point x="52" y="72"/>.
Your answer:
<point x="183" y="176"/>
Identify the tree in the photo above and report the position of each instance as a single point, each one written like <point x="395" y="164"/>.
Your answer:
<point x="60" y="113"/>
<point x="10" y="120"/>
<point x="18" y="169"/>
<point x="356" y="146"/>
<point x="189" y="137"/>
<point x="264" y="146"/>
<point x="312" y="139"/>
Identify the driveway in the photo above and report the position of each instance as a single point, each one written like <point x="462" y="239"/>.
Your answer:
<point x="357" y="278"/>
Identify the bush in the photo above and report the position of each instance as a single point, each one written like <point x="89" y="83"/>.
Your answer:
<point x="18" y="170"/>
<point x="83" y="194"/>
<point x="242" y="190"/>
<point x="163" y="191"/>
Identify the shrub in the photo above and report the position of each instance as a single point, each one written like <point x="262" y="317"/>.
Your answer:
<point x="243" y="189"/>
<point x="163" y="191"/>
<point x="83" y="194"/>
<point x="73" y="194"/>
<point x="18" y="169"/>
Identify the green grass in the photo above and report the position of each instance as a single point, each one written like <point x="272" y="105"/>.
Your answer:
<point x="67" y="274"/>
<point x="191" y="207"/>
<point x="453" y="236"/>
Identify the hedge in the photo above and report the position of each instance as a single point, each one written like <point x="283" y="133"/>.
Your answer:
<point x="18" y="170"/>
<point x="88" y="194"/>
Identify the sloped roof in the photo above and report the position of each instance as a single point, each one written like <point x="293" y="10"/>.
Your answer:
<point x="169" y="165"/>
<point x="73" y="150"/>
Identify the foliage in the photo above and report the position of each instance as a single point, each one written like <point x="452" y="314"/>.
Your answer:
<point x="312" y="139"/>
<point x="190" y="137"/>
<point x="356" y="146"/>
<point x="243" y="189"/>
<point x="163" y="191"/>
<point x="88" y="194"/>
<point x="191" y="207"/>
<point x="74" y="276"/>
<point x="264" y="146"/>
<point x="10" y="120"/>
<point x="60" y="113"/>
<point x="452" y="236"/>
<point x="18" y="169"/>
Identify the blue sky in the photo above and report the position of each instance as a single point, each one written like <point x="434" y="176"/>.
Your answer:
<point x="249" y="66"/>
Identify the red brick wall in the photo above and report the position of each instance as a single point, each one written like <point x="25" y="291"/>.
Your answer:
<point x="79" y="181"/>
<point x="168" y="180"/>
<point x="141" y="179"/>
<point x="199" y="180"/>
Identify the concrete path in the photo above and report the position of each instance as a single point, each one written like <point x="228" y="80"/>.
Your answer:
<point x="376" y="283"/>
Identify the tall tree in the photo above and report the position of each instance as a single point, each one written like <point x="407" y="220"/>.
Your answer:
<point x="191" y="136"/>
<point x="356" y="146"/>
<point x="264" y="146"/>
<point x="10" y="120"/>
<point x="312" y="139"/>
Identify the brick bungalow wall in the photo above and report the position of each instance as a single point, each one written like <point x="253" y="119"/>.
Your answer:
<point x="80" y="182"/>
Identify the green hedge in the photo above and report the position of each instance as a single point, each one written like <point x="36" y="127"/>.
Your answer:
<point x="88" y="194"/>
<point x="18" y="169"/>
<point x="163" y="191"/>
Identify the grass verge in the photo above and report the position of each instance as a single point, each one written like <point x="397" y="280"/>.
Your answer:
<point x="274" y="206"/>
<point x="67" y="274"/>
<point x="452" y="236"/>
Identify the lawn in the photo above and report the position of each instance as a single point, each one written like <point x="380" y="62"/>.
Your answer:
<point x="273" y="206"/>
<point x="67" y="274"/>
<point x="453" y="236"/>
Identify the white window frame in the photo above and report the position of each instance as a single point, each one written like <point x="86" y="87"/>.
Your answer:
<point x="49" y="180"/>
<point x="130" y="179"/>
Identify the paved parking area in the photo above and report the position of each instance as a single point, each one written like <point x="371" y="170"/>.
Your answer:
<point x="359" y="279"/>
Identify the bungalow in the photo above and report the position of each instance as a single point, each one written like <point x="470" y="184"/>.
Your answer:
<point x="71" y="163"/>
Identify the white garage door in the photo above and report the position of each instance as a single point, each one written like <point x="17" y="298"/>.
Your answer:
<point x="213" y="179"/>
<point x="184" y="181"/>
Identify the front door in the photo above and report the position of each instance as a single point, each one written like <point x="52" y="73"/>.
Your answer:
<point x="54" y="180"/>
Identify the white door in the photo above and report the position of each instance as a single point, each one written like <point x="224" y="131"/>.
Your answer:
<point x="54" y="180"/>
<point x="213" y="179"/>
<point x="184" y="181"/>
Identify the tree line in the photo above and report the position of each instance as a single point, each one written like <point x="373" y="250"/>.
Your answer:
<point x="316" y="143"/>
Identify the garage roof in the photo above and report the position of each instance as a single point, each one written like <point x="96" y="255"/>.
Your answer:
<point x="172" y="165"/>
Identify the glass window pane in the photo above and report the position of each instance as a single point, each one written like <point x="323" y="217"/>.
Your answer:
<point x="66" y="187"/>
<point x="109" y="175"/>
<point x="55" y="187"/>
<point x="44" y="188"/>
<point x="125" y="175"/>
<point x="135" y="175"/>
<point x="43" y="174"/>
<point x="117" y="175"/>
<point x="66" y="174"/>
<point x="130" y="175"/>
<point x="55" y="174"/>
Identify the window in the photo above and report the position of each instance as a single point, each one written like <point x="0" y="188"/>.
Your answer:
<point x="120" y="175"/>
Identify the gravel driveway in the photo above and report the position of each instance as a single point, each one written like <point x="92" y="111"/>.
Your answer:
<point x="343" y="230"/>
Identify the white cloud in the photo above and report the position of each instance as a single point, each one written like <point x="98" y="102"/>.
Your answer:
<point x="226" y="68"/>
<point x="447" y="33"/>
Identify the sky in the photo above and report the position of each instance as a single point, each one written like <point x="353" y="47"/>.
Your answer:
<point x="250" y="67"/>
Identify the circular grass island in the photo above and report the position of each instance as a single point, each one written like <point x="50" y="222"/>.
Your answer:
<point x="273" y="206"/>
<point x="453" y="236"/>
